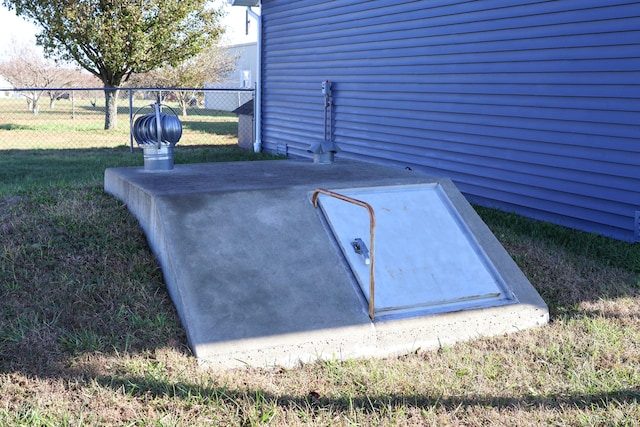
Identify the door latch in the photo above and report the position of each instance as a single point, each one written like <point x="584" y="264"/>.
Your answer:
<point x="361" y="249"/>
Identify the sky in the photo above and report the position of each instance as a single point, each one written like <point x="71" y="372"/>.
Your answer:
<point x="15" y="29"/>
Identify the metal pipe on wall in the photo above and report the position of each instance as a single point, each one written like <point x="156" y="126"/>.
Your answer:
<point x="257" y="145"/>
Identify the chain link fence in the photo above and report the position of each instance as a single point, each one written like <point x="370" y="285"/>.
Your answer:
<point x="74" y="118"/>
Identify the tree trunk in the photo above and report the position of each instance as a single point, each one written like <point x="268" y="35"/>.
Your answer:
<point x="33" y="105"/>
<point x="111" y="108"/>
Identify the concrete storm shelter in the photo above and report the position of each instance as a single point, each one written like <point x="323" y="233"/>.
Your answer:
<point x="288" y="261"/>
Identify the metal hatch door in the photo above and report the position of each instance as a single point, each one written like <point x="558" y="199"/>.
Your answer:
<point x="426" y="258"/>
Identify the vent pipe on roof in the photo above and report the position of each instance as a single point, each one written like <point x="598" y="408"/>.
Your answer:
<point x="324" y="150"/>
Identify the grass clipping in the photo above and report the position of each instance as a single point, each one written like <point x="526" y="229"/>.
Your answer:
<point x="88" y="335"/>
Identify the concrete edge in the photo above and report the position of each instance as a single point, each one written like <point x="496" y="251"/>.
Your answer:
<point x="522" y="289"/>
<point x="144" y="207"/>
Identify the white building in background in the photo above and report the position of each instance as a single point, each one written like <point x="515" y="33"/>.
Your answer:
<point x="246" y="68"/>
<point x="4" y="84"/>
<point x="242" y="77"/>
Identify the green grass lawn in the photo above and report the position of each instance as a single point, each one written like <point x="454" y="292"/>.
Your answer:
<point x="88" y="334"/>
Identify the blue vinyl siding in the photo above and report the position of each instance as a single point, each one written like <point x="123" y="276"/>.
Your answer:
<point x="529" y="106"/>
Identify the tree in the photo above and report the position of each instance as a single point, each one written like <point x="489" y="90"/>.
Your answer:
<point x="113" y="39"/>
<point x="25" y="67"/>
<point x="63" y="78"/>
<point x="208" y="67"/>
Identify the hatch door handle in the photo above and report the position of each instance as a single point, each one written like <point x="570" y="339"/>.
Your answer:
<point x="361" y="249"/>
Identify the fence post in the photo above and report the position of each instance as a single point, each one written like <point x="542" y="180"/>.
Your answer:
<point x="131" y="118"/>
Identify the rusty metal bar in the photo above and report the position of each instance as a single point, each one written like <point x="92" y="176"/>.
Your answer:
<point x="372" y="226"/>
